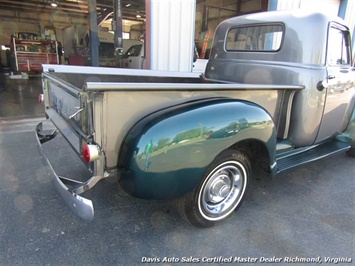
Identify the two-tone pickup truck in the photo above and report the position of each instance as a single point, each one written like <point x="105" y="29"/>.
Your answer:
<point x="277" y="92"/>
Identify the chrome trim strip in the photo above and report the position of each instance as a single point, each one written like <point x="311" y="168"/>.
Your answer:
<point x="131" y="86"/>
<point x="82" y="207"/>
<point x="116" y="71"/>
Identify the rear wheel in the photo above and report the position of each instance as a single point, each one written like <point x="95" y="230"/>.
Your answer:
<point x="220" y="193"/>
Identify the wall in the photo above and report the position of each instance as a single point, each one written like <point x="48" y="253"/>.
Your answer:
<point x="7" y="28"/>
<point x="170" y="32"/>
<point x="35" y="22"/>
<point x="330" y="7"/>
<point x="350" y="20"/>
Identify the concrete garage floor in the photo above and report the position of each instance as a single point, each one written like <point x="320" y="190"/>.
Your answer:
<point x="20" y="98"/>
<point x="302" y="215"/>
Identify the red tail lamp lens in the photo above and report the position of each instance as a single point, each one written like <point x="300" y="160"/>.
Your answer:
<point x="90" y="153"/>
<point x="41" y="98"/>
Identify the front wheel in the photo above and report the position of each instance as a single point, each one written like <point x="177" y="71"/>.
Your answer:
<point x="221" y="191"/>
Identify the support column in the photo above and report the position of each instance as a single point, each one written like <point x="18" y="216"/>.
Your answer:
<point x="346" y="12"/>
<point x="171" y="34"/>
<point x="342" y="9"/>
<point x="117" y="27"/>
<point x="273" y="5"/>
<point x="204" y="17"/>
<point x="94" y="40"/>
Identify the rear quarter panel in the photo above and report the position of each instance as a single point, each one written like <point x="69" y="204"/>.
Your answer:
<point x="166" y="155"/>
<point x="121" y="110"/>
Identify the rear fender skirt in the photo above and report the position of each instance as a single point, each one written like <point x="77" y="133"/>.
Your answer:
<point x="166" y="154"/>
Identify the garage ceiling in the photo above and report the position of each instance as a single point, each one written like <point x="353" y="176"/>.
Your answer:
<point x="130" y="8"/>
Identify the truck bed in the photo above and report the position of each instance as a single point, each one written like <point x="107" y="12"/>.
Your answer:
<point x="120" y="97"/>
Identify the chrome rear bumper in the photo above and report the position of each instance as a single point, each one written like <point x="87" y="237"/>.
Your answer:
<point x="67" y="188"/>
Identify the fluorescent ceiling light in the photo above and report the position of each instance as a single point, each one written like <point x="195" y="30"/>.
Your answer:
<point x="54" y="4"/>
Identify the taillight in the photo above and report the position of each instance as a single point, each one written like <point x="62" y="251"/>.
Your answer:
<point x="90" y="152"/>
<point x="41" y="98"/>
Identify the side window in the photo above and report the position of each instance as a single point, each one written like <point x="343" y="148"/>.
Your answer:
<point x="134" y="50"/>
<point x="255" y="38"/>
<point x="338" y="47"/>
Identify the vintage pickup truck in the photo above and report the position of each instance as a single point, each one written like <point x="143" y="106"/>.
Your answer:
<point x="277" y="92"/>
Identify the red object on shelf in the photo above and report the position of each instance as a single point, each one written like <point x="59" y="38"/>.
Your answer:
<point x="31" y="54"/>
<point x="27" y="62"/>
<point x="77" y="60"/>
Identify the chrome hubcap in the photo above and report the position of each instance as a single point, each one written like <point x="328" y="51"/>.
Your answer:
<point x="222" y="190"/>
<point x="218" y="189"/>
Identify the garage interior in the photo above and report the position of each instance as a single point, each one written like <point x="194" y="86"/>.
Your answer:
<point x="64" y="32"/>
<point x="61" y="27"/>
<point x="67" y="21"/>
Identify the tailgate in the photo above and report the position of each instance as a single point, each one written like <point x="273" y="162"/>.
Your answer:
<point x="67" y="106"/>
<point x="64" y="107"/>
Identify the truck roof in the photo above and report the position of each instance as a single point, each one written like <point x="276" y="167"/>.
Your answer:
<point x="293" y="17"/>
<point x="304" y="36"/>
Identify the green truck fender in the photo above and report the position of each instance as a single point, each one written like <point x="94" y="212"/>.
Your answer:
<point x="166" y="154"/>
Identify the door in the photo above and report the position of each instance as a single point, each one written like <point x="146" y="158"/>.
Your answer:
<point x="340" y="95"/>
<point x="134" y="57"/>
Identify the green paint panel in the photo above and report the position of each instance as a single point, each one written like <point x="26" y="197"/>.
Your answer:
<point x="167" y="154"/>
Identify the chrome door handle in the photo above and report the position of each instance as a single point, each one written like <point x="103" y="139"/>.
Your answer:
<point x="323" y="84"/>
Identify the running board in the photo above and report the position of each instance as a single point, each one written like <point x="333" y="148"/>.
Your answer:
<point x="294" y="160"/>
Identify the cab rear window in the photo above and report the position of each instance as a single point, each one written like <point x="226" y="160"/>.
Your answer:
<point x="255" y="38"/>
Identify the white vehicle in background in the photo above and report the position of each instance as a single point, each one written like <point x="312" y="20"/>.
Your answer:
<point x="199" y="65"/>
<point x="134" y="57"/>
<point x="107" y="48"/>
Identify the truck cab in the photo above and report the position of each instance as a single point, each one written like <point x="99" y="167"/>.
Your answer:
<point x="277" y="48"/>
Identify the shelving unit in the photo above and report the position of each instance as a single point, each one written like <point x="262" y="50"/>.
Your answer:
<point x="30" y="54"/>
